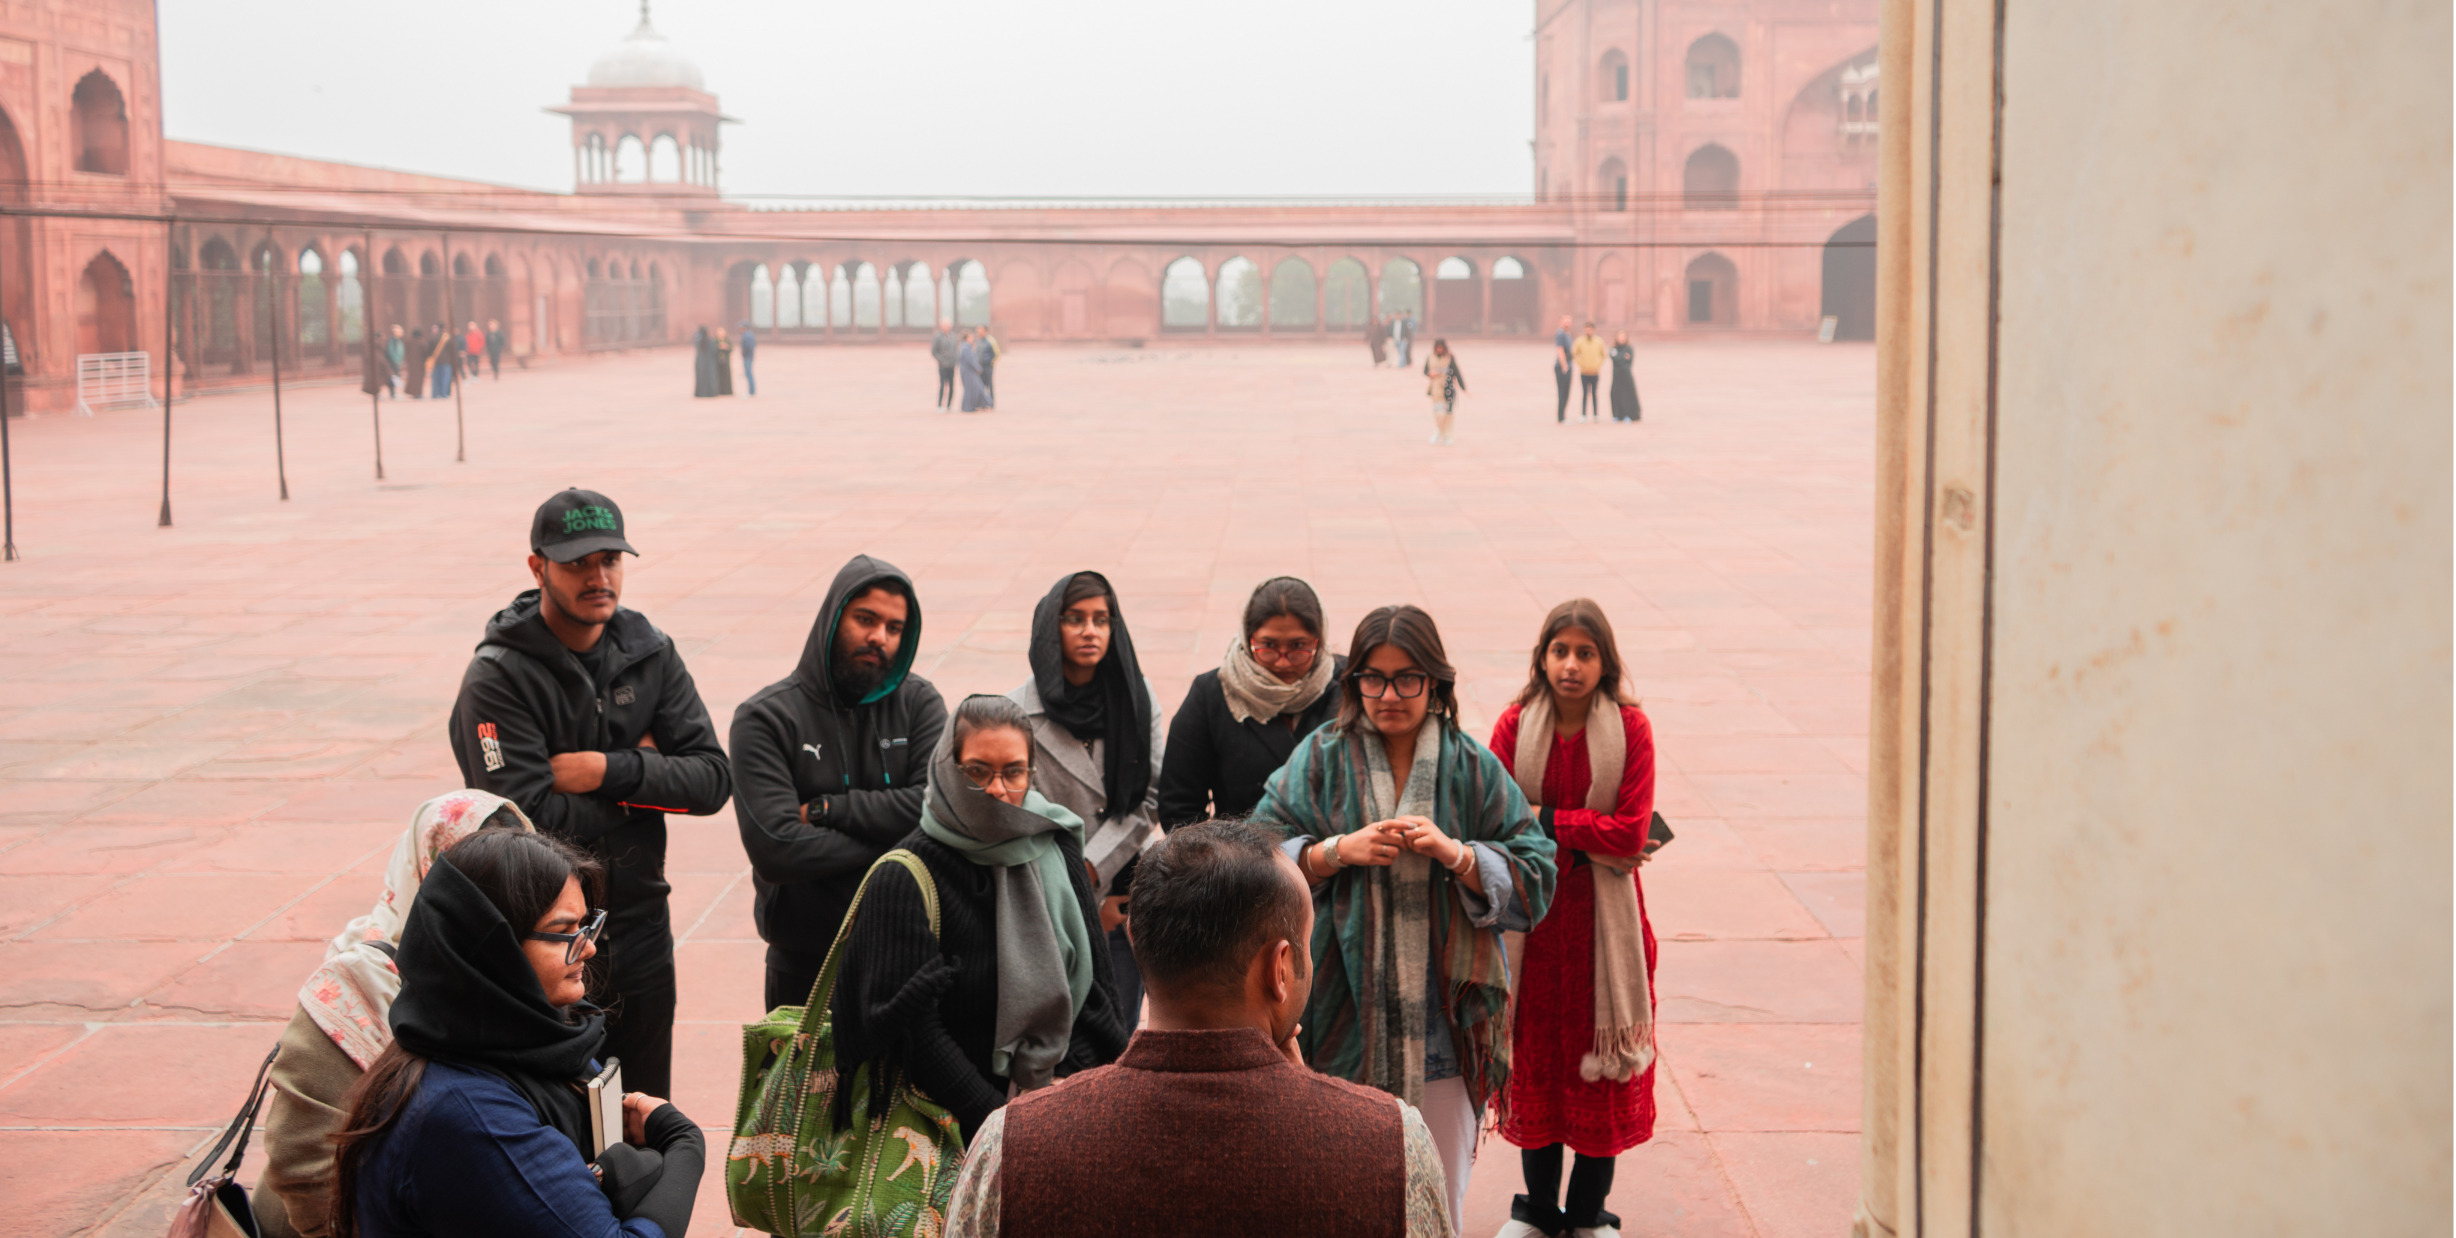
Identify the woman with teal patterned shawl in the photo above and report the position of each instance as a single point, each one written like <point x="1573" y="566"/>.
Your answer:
<point x="1422" y="851"/>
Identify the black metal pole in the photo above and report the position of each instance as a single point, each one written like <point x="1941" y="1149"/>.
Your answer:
<point x="374" y="340"/>
<point x="460" y="427"/>
<point x="8" y="487"/>
<point x="272" y="304"/>
<point x="170" y="358"/>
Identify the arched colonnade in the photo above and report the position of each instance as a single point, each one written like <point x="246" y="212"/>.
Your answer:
<point x="309" y="297"/>
<point x="1110" y="292"/>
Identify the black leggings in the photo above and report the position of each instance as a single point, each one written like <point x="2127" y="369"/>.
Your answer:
<point x="1590" y="1183"/>
<point x="1586" y="394"/>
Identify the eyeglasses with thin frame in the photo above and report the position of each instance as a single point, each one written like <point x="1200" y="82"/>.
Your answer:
<point x="982" y="774"/>
<point x="1294" y="653"/>
<point x="591" y="928"/>
<point x="1408" y="684"/>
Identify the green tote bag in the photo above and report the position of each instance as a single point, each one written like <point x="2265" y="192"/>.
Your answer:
<point x="789" y="1171"/>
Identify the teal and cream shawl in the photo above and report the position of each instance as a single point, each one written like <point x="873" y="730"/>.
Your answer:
<point x="1377" y="930"/>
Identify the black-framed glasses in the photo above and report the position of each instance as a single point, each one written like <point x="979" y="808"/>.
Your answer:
<point x="983" y="775"/>
<point x="1408" y="684"/>
<point x="591" y="928"/>
<point x="1295" y="652"/>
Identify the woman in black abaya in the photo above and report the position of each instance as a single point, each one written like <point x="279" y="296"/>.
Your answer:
<point x="703" y="365"/>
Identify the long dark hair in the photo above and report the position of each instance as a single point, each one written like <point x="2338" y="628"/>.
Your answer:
<point x="522" y="874"/>
<point x="1578" y="613"/>
<point x="1283" y="595"/>
<point x="1409" y="628"/>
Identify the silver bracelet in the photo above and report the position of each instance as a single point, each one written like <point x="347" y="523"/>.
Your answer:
<point x="1330" y="853"/>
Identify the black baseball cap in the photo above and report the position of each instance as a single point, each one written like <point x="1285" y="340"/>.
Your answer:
<point x="575" y="524"/>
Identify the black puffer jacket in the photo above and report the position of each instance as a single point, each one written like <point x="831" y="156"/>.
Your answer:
<point x="1217" y="766"/>
<point x="525" y="698"/>
<point x="859" y="766"/>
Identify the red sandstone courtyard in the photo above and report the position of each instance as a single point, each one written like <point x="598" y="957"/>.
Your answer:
<point x="211" y="735"/>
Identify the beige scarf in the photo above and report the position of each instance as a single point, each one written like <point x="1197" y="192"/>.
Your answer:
<point x="1253" y="692"/>
<point x="1624" y="1008"/>
<point x="350" y="996"/>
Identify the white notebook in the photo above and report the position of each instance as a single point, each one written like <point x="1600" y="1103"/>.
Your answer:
<point x="605" y="1108"/>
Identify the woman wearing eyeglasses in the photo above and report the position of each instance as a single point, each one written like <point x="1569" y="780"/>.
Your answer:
<point x="1239" y="723"/>
<point x="474" y="1120"/>
<point x="1014" y="990"/>
<point x="1421" y="851"/>
<point x="1097" y="744"/>
<point x="1582" y="1045"/>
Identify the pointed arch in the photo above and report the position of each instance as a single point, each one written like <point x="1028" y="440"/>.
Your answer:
<point x="106" y="307"/>
<point x="1185" y="296"/>
<point x="98" y="123"/>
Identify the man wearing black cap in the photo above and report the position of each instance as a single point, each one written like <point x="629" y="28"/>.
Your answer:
<point x="581" y="712"/>
<point x="833" y="760"/>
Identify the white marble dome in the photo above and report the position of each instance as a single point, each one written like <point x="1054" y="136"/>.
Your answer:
<point x="645" y="59"/>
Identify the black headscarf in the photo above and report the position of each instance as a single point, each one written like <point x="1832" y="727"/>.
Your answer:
<point x="1113" y="708"/>
<point x="703" y="364"/>
<point x="468" y="994"/>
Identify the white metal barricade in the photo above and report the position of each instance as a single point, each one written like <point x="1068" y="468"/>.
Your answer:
<point x="108" y="380"/>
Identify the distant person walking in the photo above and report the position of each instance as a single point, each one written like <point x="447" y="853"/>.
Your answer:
<point x="968" y="360"/>
<point x="496" y="339"/>
<point x="473" y="347"/>
<point x="724" y="362"/>
<point x="703" y="365"/>
<point x="1444" y="383"/>
<point x="443" y="363"/>
<point x="943" y="347"/>
<point x="1377" y="338"/>
<point x="1588" y="351"/>
<point x="1407" y="338"/>
<point x="396" y="355"/>
<point x="988" y="349"/>
<point x="1624" y="381"/>
<point x="750" y="349"/>
<point x="1561" y="369"/>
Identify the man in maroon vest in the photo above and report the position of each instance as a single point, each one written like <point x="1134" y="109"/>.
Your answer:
<point x="1211" y="1124"/>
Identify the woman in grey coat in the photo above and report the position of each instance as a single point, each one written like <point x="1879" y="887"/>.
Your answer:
<point x="1097" y="738"/>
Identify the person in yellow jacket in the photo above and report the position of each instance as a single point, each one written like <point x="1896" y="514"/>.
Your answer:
<point x="1588" y="352"/>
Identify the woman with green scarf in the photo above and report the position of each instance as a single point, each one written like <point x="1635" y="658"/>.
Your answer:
<point x="1422" y="852"/>
<point x="1015" y="990"/>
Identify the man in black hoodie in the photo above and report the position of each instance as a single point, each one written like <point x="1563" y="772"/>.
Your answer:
<point x="833" y="760"/>
<point x="581" y="712"/>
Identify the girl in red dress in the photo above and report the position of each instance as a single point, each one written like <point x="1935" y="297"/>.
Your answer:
<point x="1582" y="1045"/>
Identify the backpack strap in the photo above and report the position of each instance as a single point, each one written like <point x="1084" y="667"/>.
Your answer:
<point x="823" y="989"/>
<point x="240" y="1127"/>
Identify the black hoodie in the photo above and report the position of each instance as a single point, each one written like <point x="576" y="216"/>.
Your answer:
<point x="859" y="766"/>
<point x="527" y="697"/>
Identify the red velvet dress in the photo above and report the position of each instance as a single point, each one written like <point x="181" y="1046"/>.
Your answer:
<point x="1548" y="1102"/>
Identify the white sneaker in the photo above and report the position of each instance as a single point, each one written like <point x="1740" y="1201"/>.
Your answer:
<point x="1519" y="1229"/>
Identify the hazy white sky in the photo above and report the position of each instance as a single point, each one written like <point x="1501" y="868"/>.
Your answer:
<point x="1050" y="97"/>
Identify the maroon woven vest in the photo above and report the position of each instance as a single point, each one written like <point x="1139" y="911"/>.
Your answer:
<point x="1203" y="1133"/>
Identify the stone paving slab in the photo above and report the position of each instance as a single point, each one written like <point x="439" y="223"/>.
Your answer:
<point x="210" y="735"/>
